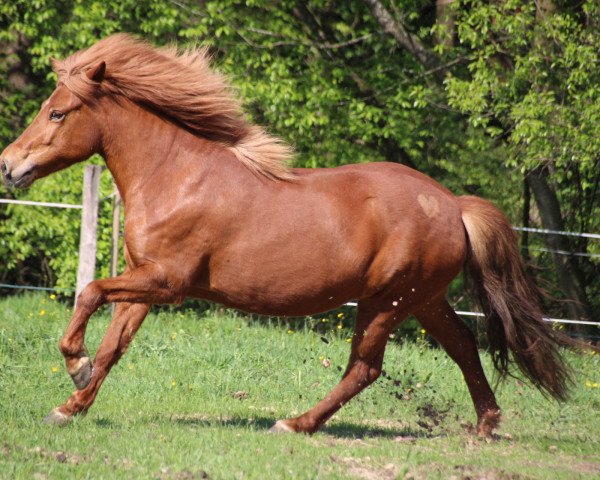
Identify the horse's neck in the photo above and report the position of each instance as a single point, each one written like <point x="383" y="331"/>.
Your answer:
<point x="149" y="156"/>
<point x="137" y="145"/>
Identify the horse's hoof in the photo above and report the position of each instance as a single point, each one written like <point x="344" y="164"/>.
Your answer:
<point x="56" y="417"/>
<point x="281" y="427"/>
<point x="487" y="423"/>
<point x="82" y="373"/>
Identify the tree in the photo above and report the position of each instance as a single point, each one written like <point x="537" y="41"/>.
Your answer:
<point x="514" y="80"/>
<point x="478" y="95"/>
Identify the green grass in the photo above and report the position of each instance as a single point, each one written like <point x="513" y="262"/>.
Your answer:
<point x="168" y="409"/>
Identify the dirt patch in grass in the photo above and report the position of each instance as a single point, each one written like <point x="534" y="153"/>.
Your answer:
<point x="432" y="414"/>
<point x="461" y="472"/>
<point x="168" y="474"/>
<point x="337" y="441"/>
<point x="586" y="467"/>
<point x="5" y="450"/>
<point x="364" y="469"/>
<point x="569" y="465"/>
<point x="60" y="457"/>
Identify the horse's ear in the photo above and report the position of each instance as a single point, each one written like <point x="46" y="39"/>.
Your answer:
<point x="96" y="72"/>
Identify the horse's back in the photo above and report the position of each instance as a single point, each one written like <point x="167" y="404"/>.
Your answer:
<point x="400" y="197"/>
<point x="415" y="220"/>
<point x="376" y="171"/>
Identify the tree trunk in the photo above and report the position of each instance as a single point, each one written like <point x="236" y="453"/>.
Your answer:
<point x="407" y="40"/>
<point x="570" y="278"/>
<point x="568" y="274"/>
<point x="444" y="15"/>
<point x="525" y="221"/>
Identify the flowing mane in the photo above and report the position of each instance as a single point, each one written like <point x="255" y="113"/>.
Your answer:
<point x="182" y="86"/>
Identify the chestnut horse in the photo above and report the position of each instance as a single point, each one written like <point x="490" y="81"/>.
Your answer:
<point x="213" y="212"/>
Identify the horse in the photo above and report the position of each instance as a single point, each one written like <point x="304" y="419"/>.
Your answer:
<point x="214" y="211"/>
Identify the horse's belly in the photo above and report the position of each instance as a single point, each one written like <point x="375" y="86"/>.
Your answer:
<point x="281" y="283"/>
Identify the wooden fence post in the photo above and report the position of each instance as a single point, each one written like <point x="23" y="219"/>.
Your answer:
<point x="89" y="227"/>
<point x="116" y="235"/>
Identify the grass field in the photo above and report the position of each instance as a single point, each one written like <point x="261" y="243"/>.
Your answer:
<point x="195" y="395"/>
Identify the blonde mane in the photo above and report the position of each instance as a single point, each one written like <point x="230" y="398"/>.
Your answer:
<point x="182" y="86"/>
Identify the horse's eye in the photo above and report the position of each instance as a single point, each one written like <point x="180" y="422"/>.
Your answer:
<point x="56" y="116"/>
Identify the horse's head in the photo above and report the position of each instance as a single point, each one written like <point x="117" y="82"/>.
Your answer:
<point x="64" y="132"/>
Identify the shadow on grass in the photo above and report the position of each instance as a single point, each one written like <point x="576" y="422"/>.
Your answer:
<point x="350" y="430"/>
<point x="344" y="430"/>
<point x="105" y="423"/>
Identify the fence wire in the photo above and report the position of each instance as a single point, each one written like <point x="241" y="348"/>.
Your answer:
<point x="543" y="231"/>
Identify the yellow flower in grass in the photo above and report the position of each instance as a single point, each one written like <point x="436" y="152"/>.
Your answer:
<point x="42" y="313"/>
<point x="174" y="336"/>
<point x="340" y="315"/>
<point x="340" y="326"/>
<point x="290" y="331"/>
<point x="348" y="340"/>
<point x="590" y="384"/>
<point x="173" y="383"/>
<point x="423" y="332"/>
<point x="54" y="369"/>
<point x="52" y="296"/>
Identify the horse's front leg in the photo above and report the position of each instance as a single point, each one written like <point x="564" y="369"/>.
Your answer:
<point x="127" y="319"/>
<point x="138" y="288"/>
<point x="146" y="284"/>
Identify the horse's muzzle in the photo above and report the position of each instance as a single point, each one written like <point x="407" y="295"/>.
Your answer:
<point x="21" y="180"/>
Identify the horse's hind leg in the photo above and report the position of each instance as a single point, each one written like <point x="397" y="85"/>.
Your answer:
<point x="442" y="323"/>
<point x="127" y="319"/>
<point x="364" y="367"/>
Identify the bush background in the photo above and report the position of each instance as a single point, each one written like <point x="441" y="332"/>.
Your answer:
<point x="506" y="92"/>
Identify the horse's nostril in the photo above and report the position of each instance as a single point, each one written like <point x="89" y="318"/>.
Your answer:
<point x="4" y="170"/>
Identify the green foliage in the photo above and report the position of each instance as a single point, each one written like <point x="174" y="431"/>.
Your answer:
<point x="539" y="78"/>
<point x="39" y="245"/>
<point x="522" y="91"/>
<point x="52" y="235"/>
<point x="533" y="83"/>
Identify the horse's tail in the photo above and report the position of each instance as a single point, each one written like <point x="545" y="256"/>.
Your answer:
<point x="496" y="276"/>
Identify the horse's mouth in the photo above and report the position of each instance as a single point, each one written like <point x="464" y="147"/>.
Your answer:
<point x="23" y="181"/>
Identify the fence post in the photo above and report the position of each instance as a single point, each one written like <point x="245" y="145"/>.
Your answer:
<point x="116" y="235"/>
<point x="89" y="227"/>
